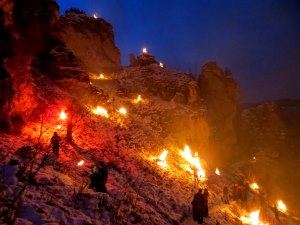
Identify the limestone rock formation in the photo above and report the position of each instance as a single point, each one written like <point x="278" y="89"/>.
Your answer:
<point x="92" y="41"/>
<point x="220" y="93"/>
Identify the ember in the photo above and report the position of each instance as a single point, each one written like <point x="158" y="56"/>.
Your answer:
<point x="58" y="127"/>
<point x="145" y="50"/>
<point x="80" y="163"/>
<point x="162" y="158"/>
<point x="217" y="172"/>
<point x="254" y="186"/>
<point x="252" y="219"/>
<point x="63" y="115"/>
<point x="281" y="206"/>
<point x="122" y="111"/>
<point x="100" y="111"/>
<point x="195" y="161"/>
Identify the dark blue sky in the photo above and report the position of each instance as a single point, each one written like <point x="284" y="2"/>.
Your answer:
<point x="259" y="40"/>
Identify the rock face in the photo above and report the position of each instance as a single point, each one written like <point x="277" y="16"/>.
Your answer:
<point x="26" y="30"/>
<point x="92" y="41"/>
<point x="220" y="93"/>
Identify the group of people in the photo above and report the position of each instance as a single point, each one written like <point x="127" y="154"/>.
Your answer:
<point x="99" y="175"/>
<point x="200" y="205"/>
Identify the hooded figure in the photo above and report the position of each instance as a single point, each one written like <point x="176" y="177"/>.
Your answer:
<point x="99" y="177"/>
<point x="55" y="144"/>
<point x="198" y="206"/>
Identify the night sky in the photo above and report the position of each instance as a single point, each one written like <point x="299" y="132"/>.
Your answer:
<point x="258" y="40"/>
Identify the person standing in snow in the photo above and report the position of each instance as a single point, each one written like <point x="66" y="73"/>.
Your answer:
<point x="205" y="197"/>
<point x="197" y="206"/>
<point x="55" y="144"/>
<point x="225" y="195"/>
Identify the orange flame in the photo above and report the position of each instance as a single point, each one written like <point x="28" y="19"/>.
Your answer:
<point x="144" y="50"/>
<point x="281" y="206"/>
<point x="100" y="111"/>
<point x="122" y="111"/>
<point x="252" y="219"/>
<point x="161" y="65"/>
<point x="138" y="99"/>
<point x="217" y="172"/>
<point x="195" y="161"/>
<point x="58" y="127"/>
<point x="63" y="115"/>
<point x="254" y="186"/>
<point x="95" y="15"/>
<point x="80" y="163"/>
<point x="162" y="158"/>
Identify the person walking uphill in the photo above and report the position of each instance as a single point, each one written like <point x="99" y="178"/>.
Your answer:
<point x="99" y="177"/>
<point x="55" y="144"/>
<point x="198" y="206"/>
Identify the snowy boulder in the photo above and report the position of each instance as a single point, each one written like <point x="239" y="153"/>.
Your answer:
<point x="9" y="174"/>
<point x="28" y="212"/>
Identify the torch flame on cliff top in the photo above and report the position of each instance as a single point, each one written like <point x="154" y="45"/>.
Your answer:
<point x="162" y="158"/>
<point x="194" y="160"/>
<point x="252" y="219"/>
<point x="95" y="15"/>
<point x="281" y="206"/>
<point x="63" y="115"/>
<point x="144" y="50"/>
<point x="161" y="65"/>
<point x="217" y="172"/>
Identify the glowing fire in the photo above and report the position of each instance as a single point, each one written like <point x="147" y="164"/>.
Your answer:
<point x="145" y="50"/>
<point x="281" y="206"/>
<point x="80" y="163"/>
<point x="95" y="15"/>
<point x="162" y="158"/>
<point x="58" y="127"/>
<point x="122" y="111"/>
<point x="161" y="65"/>
<point x="252" y="219"/>
<point x="254" y="186"/>
<point x="195" y="161"/>
<point x="63" y="115"/>
<point x="217" y="172"/>
<point x="138" y="99"/>
<point x="100" y="111"/>
<point x="103" y="77"/>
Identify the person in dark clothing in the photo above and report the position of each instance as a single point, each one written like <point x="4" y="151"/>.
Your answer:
<point x="99" y="177"/>
<point x="197" y="206"/>
<point x="225" y="195"/>
<point x="55" y="144"/>
<point x="205" y="207"/>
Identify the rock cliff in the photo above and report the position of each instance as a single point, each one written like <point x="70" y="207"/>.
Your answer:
<point x="220" y="94"/>
<point x="92" y="41"/>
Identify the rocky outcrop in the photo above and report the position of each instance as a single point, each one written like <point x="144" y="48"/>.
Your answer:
<point x="220" y="93"/>
<point x="151" y="79"/>
<point x="143" y="59"/>
<point x="92" y="41"/>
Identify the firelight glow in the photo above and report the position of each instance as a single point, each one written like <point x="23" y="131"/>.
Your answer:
<point x="80" y="163"/>
<point x="58" y="127"/>
<point x="63" y="115"/>
<point x="195" y="161"/>
<point x="145" y="50"/>
<point x="217" y="172"/>
<point x="252" y="219"/>
<point x="161" y="65"/>
<point x="281" y="206"/>
<point x="162" y="158"/>
<point x="95" y="15"/>
<point x="100" y="111"/>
